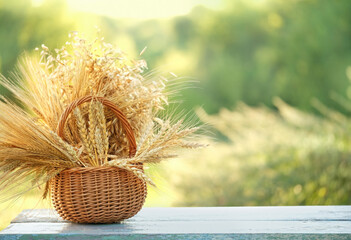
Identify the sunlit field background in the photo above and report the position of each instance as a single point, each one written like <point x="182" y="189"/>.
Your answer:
<point x="270" y="78"/>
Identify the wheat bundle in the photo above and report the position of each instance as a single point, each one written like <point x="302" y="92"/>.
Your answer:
<point x="92" y="136"/>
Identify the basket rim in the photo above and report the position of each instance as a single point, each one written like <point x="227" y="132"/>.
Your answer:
<point x="94" y="169"/>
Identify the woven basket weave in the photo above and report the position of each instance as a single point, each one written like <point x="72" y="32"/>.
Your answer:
<point x="98" y="194"/>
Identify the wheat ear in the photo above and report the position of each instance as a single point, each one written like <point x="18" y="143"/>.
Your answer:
<point x="92" y="127"/>
<point x="72" y="154"/>
<point x="83" y="133"/>
<point x="138" y="172"/>
<point x="103" y="130"/>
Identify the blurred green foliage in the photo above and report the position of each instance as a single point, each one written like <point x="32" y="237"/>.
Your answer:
<point x="292" y="49"/>
<point x="297" y="50"/>
<point x="287" y="157"/>
<point x="23" y="28"/>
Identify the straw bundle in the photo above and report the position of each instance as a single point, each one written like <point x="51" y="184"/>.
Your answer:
<point x="92" y="137"/>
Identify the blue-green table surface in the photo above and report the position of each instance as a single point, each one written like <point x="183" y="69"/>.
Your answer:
<point x="293" y="222"/>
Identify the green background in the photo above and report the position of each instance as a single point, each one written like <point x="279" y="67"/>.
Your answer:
<point x="272" y="81"/>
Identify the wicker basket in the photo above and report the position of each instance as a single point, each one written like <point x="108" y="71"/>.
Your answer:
<point x="98" y="194"/>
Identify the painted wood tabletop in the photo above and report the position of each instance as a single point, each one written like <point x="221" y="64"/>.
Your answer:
<point x="294" y="222"/>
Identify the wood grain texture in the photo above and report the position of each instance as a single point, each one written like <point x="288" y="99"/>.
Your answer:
<point x="305" y="222"/>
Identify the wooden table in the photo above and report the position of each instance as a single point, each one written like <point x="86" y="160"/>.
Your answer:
<point x="305" y="222"/>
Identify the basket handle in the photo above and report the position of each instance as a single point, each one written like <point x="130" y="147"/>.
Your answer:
<point x="126" y="126"/>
